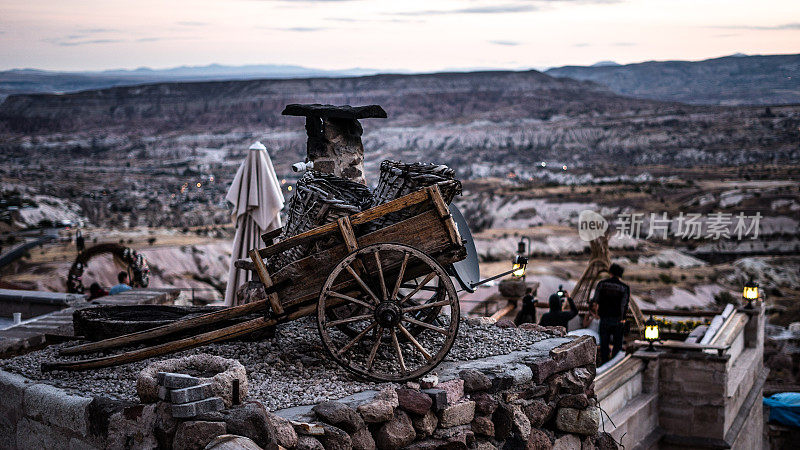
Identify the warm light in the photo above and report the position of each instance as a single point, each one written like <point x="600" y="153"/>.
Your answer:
<point x="544" y="164"/>
<point x="750" y="291"/>
<point x="211" y="178"/>
<point x="199" y="184"/>
<point x="289" y="188"/>
<point x="283" y="181"/>
<point x="564" y="167"/>
<point x="519" y="270"/>
<point x="651" y="330"/>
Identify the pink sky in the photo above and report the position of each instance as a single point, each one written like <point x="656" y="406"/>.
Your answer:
<point x="417" y="35"/>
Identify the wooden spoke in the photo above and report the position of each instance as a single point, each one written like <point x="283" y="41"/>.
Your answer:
<point x="421" y="288"/>
<point x="384" y="291"/>
<point x="350" y="299"/>
<point x="333" y="323"/>
<point x="425" y="306"/>
<point x="375" y="346"/>
<point x="399" y="351"/>
<point x="425" y="325"/>
<point x="400" y="275"/>
<point x="361" y="283"/>
<point x="415" y="342"/>
<point x="427" y="280"/>
<point x="357" y="338"/>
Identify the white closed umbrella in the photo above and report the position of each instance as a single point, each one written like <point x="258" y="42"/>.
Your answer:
<point x="257" y="201"/>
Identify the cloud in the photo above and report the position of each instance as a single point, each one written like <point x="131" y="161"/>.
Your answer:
<point x="190" y="23"/>
<point x="67" y="42"/>
<point x="582" y="44"/>
<point x="623" y="44"/>
<point x="96" y="30"/>
<point x="303" y="29"/>
<point x="785" y="26"/>
<point x="493" y="9"/>
<point x="508" y="43"/>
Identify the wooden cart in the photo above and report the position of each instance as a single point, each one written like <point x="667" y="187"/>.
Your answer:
<point x="386" y="306"/>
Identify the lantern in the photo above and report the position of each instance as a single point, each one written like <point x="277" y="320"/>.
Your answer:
<point x="518" y="266"/>
<point x="750" y="292"/>
<point x="651" y="332"/>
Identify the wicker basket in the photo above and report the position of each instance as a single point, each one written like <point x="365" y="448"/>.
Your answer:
<point x="319" y="198"/>
<point x="398" y="179"/>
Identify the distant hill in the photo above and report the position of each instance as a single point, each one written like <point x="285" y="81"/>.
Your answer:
<point x="731" y="80"/>
<point x="28" y="81"/>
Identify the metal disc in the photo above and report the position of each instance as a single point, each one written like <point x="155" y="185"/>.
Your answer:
<point x="467" y="271"/>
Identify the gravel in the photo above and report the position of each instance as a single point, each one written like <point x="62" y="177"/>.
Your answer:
<point x="291" y="369"/>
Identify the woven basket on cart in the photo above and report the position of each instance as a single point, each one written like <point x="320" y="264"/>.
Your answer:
<point x="398" y="179"/>
<point x="319" y="198"/>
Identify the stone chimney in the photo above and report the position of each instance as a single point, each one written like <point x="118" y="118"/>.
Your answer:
<point x="334" y="137"/>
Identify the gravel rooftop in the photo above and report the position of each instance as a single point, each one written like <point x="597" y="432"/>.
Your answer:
<point x="289" y="370"/>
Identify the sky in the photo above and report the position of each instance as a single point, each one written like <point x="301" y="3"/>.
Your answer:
<point x="408" y="35"/>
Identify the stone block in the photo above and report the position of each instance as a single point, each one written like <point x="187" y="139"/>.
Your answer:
<point x="439" y="398"/>
<point x="191" y="394"/>
<point x="475" y="380"/>
<point x="341" y="415"/>
<point x="414" y="401"/>
<point x="335" y="438"/>
<point x="395" y="433"/>
<point x="285" y="433"/>
<point x="483" y="425"/>
<point x="576" y="353"/>
<point x="485" y="404"/>
<point x="54" y="406"/>
<point x="363" y="440"/>
<point x="308" y="443"/>
<point x="428" y="381"/>
<point x="454" y="389"/>
<point x="539" y="440"/>
<point x="164" y="394"/>
<point x="12" y="393"/>
<point x="189" y="410"/>
<point x="425" y="425"/>
<point x="176" y="380"/>
<point x="579" y="421"/>
<point x="33" y="435"/>
<point x="134" y="427"/>
<point x="567" y="442"/>
<point x="457" y="414"/>
<point x="376" y="411"/>
<point x="192" y="435"/>
<point x="251" y="420"/>
<point x="538" y="412"/>
<point x="389" y="395"/>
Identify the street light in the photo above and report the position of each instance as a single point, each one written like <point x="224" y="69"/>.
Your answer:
<point x="750" y="293"/>
<point x="521" y="260"/>
<point x="651" y="332"/>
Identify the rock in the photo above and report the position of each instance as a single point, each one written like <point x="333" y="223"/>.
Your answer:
<point x="525" y="392"/>
<point x="312" y="429"/>
<point x="484" y="403"/>
<point x="176" y="380"/>
<point x="285" y="433"/>
<point x="505" y="323"/>
<point x="222" y="373"/>
<point x="483" y="444"/>
<point x="576" y="353"/>
<point x="335" y="438"/>
<point x="579" y="379"/>
<point x="389" y="395"/>
<point x="556" y="331"/>
<point x="414" y="401"/>
<point x="579" y="421"/>
<point x="454" y="389"/>
<point x="538" y="440"/>
<point x="533" y="327"/>
<point x="196" y="434"/>
<point x="251" y="420"/>
<point x="538" y="412"/>
<point x="577" y="401"/>
<point x="475" y="380"/>
<point x="425" y="425"/>
<point x="193" y="409"/>
<point x="339" y="415"/>
<point x="165" y="425"/>
<point x="457" y="414"/>
<point x="503" y="419"/>
<point x="439" y="398"/>
<point x="452" y="432"/>
<point x="483" y="425"/>
<point x="376" y="411"/>
<point x="480" y="321"/>
<point x="192" y="393"/>
<point x="428" y="381"/>
<point x="521" y="424"/>
<point x="567" y="442"/>
<point x="308" y="443"/>
<point x="427" y="444"/>
<point x="164" y="393"/>
<point x="413" y="385"/>
<point x="587" y="443"/>
<point x="395" y="433"/>
<point x="362" y="440"/>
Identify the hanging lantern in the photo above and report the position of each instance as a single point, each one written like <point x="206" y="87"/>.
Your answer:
<point x="651" y="332"/>
<point x="750" y="292"/>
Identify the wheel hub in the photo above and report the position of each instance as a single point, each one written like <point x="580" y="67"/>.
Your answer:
<point x="388" y="314"/>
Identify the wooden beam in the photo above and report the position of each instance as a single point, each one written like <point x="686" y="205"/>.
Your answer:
<point x="263" y="274"/>
<point x="444" y="213"/>
<point x="349" y="237"/>
<point x="165" y="330"/>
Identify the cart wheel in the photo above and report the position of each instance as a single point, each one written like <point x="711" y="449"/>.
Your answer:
<point x="369" y="280"/>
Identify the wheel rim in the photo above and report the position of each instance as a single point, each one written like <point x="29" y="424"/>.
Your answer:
<point x="395" y="333"/>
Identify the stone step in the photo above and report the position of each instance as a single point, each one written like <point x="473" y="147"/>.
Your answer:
<point x="189" y="410"/>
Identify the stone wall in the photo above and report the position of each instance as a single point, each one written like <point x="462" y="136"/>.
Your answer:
<point x="547" y="402"/>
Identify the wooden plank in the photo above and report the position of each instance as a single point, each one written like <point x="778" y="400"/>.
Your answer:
<point x="174" y="346"/>
<point x="165" y="330"/>
<point x="349" y="237"/>
<point x="355" y="219"/>
<point x="269" y="236"/>
<point x="444" y="213"/>
<point x="424" y="232"/>
<point x="263" y="274"/>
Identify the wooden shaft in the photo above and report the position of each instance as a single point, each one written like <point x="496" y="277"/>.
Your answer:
<point x="444" y="213"/>
<point x="181" y="344"/>
<point x="164" y="330"/>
